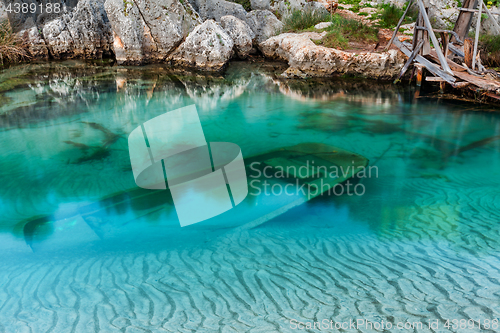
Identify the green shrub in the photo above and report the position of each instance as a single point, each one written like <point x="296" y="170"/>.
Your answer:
<point x="344" y="30"/>
<point x="389" y="15"/>
<point x="245" y="3"/>
<point x="300" y="20"/>
<point x="11" y="46"/>
<point x="490" y="50"/>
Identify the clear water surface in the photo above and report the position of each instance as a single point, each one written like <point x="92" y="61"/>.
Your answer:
<point x="421" y="244"/>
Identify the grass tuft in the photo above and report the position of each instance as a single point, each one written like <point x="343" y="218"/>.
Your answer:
<point x="12" y="47"/>
<point x="389" y="15"/>
<point x="490" y="50"/>
<point x="344" y="30"/>
<point x="300" y="20"/>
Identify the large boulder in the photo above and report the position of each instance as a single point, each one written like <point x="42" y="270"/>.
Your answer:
<point x="83" y="32"/>
<point x="148" y="30"/>
<point x="90" y="30"/>
<point x="208" y="47"/>
<point x="58" y="39"/>
<point x="241" y="34"/>
<point x="132" y="40"/>
<point x="306" y="59"/>
<point x="264" y="24"/>
<point x="215" y="9"/>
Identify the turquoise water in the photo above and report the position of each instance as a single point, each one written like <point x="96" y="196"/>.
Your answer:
<point x="421" y="244"/>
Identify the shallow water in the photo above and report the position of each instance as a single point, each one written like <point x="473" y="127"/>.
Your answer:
<point x="421" y="244"/>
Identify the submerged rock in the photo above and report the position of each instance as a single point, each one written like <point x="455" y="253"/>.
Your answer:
<point x="208" y="47"/>
<point x="307" y="59"/>
<point x="241" y="34"/>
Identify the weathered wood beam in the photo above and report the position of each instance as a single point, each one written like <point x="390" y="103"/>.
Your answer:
<point x="457" y="38"/>
<point x="476" y="41"/>
<point x="434" y="79"/>
<point x="475" y="11"/>
<point x="414" y="53"/>
<point x="490" y="15"/>
<point x="398" y="25"/>
<point x="464" y="19"/>
<point x="442" y="59"/>
<point x="429" y="65"/>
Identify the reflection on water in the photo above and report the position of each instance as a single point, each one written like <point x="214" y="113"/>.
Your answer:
<point x="64" y="130"/>
<point x="85" y="248"/>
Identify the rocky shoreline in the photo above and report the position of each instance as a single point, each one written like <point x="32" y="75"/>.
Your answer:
<point x="200" y="34"/>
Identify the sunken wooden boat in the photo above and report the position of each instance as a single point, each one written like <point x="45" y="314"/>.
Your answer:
<point x="278" y="180"/>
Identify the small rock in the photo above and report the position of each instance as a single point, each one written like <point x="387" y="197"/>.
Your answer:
<point x="241" y="34"/>
<point x="322" y="25"/>
<point x="260" y="4"/>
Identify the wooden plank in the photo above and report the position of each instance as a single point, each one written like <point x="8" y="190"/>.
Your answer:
<point x="464" y="19"/>
<point x="410" y="60"/>
<point x="457" y="38"/>
<point x="478" y="29"/>
<point x="429" y="65"/>
<point x="434" y="79"/>
<point x="478" y="81"/>
<point x="398" y="25"/>
<point x="442" y="59"/>
<point x="490" y="15"/>
<point x="475" y="11"/>
<point x="454" y="66"/>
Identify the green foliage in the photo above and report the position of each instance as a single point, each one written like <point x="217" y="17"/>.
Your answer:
<point x="389" y="15"/>
<point x="245" y="3"/>
<point x="300" y="20"/>
<point x="344" y="30"/>
<point x="490" y="50"/>
<point x="12" y="47"/>
<point x="490" y="43"/>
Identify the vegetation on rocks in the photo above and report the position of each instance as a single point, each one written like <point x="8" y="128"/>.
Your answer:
<point x="300" y="20"/>
<point x="245" y="3"/>
<point x="390" y="14"/>
<point x="344" y="30"/>
<point x="12" y="48"/>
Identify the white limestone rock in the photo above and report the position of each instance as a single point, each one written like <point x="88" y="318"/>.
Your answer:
<point x="208" y="47"/>
<point x="241" y="34"/>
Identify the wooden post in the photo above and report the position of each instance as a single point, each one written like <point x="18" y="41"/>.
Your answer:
<point x="420" y="74"/>
<point x="464" y="20"/>
<point x="414" y="53"/>
<point x="444" y="41"/>
<point x="478" y="28"/>
<point x="468" y="50"/>
<point x="441" y="57"/>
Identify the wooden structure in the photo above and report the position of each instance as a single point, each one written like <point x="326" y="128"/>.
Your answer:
<point x="454" y="60"/>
